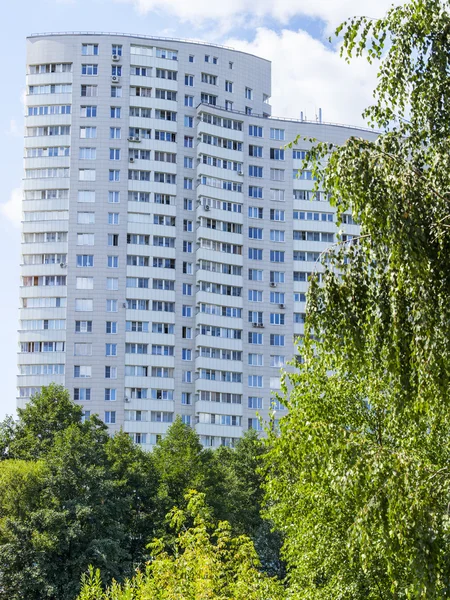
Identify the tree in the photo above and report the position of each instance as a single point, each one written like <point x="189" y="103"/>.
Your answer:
<point x="47" y="413"/>
<point x="182" y="463"/>
<point x="359" y="475"/>
<point x="90" y="499"/>
<point x="242" y="497"/>
<point x="207" y="562"/>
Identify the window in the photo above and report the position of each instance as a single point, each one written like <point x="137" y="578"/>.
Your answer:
<point x="276" y="256"/>
<point x="188" y="183"/>
<point x="89" y="49"/>
<point x="114" y="112"/>
<point x="276" y="318"/>
<point x="277" y="154"/>
<point x="88" y="111"/>
<point x="208" y="98"/>
<point x="276" y="339"/>
<point x="255" y="233"/>
<point x="189" y="80"/>
<point x="110" y="349"/>
<point x="112" y="305"/>
<point x="208" y="78"/>
<point x="255" y="192"/>
<point x="113" y="262"/>
<point x="110" y="416"/>
<point x="277" y="195"/>
<point x="113" y="197"/>
<point x="276" y="134"/>
<point x="116" y="91"/>
<point x="187" y="289"/>
<point x="82" y="349"/>
<point x="276" y="235"/>
<point x="255" y="212"/>
<point x="87" y="153"/>
<point x="110" y="372"/>
<point x="255" y="296"/>
<point x="229" y="86"/>
<point x="255" y="171"/>
<point x="255" y="254"/>
<point x="113" y="218"/>
<point x="89" y="69"/>
<point x="248" y="93"/>
<point x="277" y="215"/>
<point x="113" y="239"/>
<point x="255" y="131"/>
<point x="111" y="327"/>
<point x="186" y="354"/>
<point x="188" y="141"/>
<point x="255" y="275"/>
<point x="188" y="121"/>
<point x="191" y="58"/>
<point x="277" y="297"/>
<point x="255" y="424"/>
<point x="256" y="403"/>
<point x="84" y="283"/>
<point x="82" y="372"/>
<point x="110" y="395"/>
<point x="255" y="381"/>
<point x="228" y="105"/>
<point x="88" y="132"/>
<point x="186" y="311"/>
<point x="112" y="283"/>
<point x="83" y="326"/>
<point x="89" y="91"/>
<point x="82" y="394"/>
<point x="277" y="174"/>
<point x="85" y="260"/>
<point x="255" y="338"/>
<point x="84" y="305"/>
<point x="114" y="175"/>
<point x="186" y="398"/>
<point x="116" y="49"/>
<point x="114" y="154"/>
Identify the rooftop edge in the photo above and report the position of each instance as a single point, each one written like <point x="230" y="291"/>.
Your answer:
<point x="145" y="37"/>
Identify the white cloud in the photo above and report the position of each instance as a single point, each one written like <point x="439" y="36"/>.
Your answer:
<point x="306" y="76"/>
<point x="12" y="208"/>
<point x="199" y="12"/>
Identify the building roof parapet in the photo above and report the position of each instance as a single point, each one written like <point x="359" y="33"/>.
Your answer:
<point x="287" y="119"/>
<point x="145" y="37"/>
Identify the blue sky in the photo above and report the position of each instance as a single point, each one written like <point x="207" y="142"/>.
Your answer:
<point x="307" y="74"/>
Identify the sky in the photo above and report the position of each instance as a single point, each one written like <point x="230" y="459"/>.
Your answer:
<point x="307" y="73"/>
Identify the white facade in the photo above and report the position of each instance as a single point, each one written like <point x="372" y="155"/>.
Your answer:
<point x="166" y="241"/>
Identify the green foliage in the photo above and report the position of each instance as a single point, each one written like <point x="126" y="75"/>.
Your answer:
<point x="50" y="412"/>
<point x="207" y="562"/>
<point x="359" y="477"/>
<point x="92" y="499"/>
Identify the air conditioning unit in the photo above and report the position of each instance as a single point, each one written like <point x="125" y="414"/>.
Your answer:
<point x="260" y="325"/>
<point x="115" y="79"/>
<point x="273" y="284"/>
<point x="126" y="399"/>
<point x="134" y="138"/>
<point x="131" y="159"/>
<point x="240" y="173"/>
<point x="207" y="207"/>
<point x="255" y="324"/>
<point x="281" y="306"/>
<point x="115" y="57"/>
<point x="63" y="265"/>
<point x="124" y="304"/>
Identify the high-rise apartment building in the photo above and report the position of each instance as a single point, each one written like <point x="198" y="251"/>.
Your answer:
<point x="167" y="236"/>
